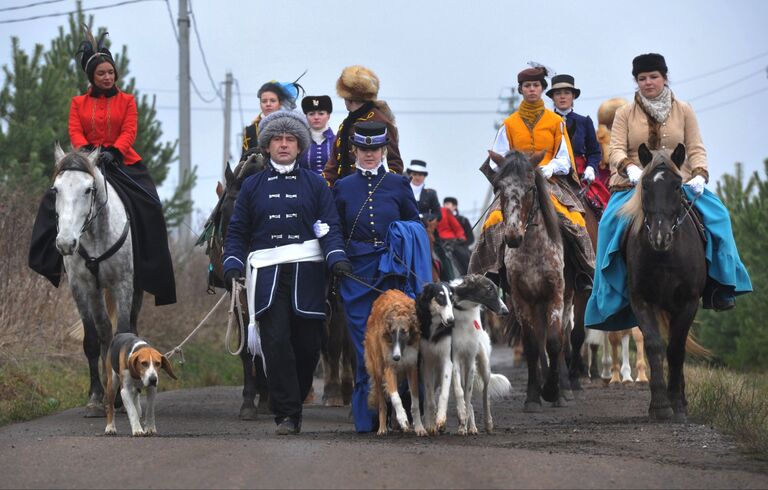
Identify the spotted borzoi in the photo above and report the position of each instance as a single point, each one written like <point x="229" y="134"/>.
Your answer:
<point x="471" y="350"/>
<point x="434" y="309"/>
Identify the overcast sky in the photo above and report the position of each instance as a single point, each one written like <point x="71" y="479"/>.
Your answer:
<point x="443" y="66"/>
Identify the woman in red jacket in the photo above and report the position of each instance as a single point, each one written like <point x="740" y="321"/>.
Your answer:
<point x="106" y="118"/>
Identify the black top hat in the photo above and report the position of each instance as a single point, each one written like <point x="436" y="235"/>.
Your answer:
<point x="649" y="62"/>
<point x="369" y="135"/>
<point x="419" y="166"/>
<point x="312" y="103"/>
<point x="561" y="82"/>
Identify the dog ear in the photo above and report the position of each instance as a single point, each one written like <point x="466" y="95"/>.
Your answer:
<point x="165" y="364"/>
<point x="133" y="366"/>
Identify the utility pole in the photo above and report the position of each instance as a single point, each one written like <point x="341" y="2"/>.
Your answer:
<point x="185" y="154"/>
<point x="227" y="121"/>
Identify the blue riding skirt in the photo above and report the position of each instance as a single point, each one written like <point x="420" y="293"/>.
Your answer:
<point x="608" y="307"/>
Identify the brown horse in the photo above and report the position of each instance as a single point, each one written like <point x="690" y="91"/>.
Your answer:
<point x="666" y="273"/>
<point x="535" y="263"/>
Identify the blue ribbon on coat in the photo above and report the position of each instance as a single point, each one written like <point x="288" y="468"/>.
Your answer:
<point x="408" y="254"/>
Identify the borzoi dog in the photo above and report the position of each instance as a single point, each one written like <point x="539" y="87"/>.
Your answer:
<point x="434" y="309"/>
<point x="392" y="351"/>
<point x="471" y="350"/>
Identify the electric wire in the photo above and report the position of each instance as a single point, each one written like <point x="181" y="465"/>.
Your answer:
<point x="29" y="5"/>
<point x="59" y="14"/>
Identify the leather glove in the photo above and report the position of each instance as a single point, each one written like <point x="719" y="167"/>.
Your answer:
<point x="321" y="229"/>
<point x="697" y="185"/>
<point x="634" y="172"/>
<point x="229" y="276"/>
<point x="342" y="268"/>
<point x="110" y="156"/>
<point x="548" y="170"/>
<point x="589" y="174"/>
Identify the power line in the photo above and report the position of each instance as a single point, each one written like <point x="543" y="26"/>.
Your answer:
<point x="409" y="112"/>
<point x="732" y="101"/>
<point x="198" y="92"/>
<point x="719" y="70"/>
<point x="733" y="82"/>
<point x="29" y="5"/>
<point x="202" y="52"/>
<point x="59" y="14"/>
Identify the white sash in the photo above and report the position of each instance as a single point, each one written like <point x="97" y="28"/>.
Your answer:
<point x="308" y="251"/>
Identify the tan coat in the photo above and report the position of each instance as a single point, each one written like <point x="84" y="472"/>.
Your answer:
<point x="631" y="128"/>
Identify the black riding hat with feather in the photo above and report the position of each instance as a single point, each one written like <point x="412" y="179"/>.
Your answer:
<point x="94" y="53"/>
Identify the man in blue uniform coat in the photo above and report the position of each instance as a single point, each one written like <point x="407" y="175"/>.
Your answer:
<point x="283" y="232"/>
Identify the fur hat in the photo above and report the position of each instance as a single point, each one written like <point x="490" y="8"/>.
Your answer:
<point x="94" y="53"/>
<point x="607" y="110"/>
<point x="561" y="82"/>
<point x="283" y="121"/>
<point x="649" y="62"/>
<point x="312" y="103"/>
<point x="358" y="83"/>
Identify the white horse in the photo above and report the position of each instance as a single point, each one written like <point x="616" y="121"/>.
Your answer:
<point x="94" y="238"/>
<point x="610" y="372"/>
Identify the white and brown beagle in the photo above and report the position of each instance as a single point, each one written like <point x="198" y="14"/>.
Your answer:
<point x="133" y="364"/>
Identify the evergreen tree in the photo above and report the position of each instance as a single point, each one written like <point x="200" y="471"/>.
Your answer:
<point x="34" y="112"/>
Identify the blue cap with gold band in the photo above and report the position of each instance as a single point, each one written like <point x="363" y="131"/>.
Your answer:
<point x="369" y="135"/>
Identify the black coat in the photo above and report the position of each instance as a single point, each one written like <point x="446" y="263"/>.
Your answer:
<point x="429" y="205"/>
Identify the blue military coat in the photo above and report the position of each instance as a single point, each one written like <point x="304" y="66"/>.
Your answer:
<point x="584" y="142"/>
<point x="279" y="209"/>
<point x="315" y="157"/>
<point x="365" y="222"/>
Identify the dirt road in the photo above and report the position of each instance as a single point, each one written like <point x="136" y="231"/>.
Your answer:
<point x="603" y="440"/>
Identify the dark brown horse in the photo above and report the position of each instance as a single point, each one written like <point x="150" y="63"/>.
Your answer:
<point x="667" y="270"/>
<point x="535" y="263"/>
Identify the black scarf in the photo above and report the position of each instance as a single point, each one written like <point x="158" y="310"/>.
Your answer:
<point x="345" y="163"/>
<point x="97" y="92"/>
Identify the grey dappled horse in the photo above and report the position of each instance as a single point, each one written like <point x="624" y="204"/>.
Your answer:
<point x="94" y="238"/>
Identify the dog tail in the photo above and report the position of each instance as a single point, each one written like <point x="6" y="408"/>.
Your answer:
<point x="594" y="337"/>
<point x="77" y="330"/>
<point x="499" y="386"/>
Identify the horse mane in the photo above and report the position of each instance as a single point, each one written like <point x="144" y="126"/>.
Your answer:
<point x="75" y="160"/>
<point x="517" y="165"/>
<point x="633" y="209"/>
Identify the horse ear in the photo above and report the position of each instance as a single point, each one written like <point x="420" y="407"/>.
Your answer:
<point x="93" y="157"/>
<point x="58" y="153"/>
<point x="678" y="156"/>
<point x="229" y="176"/>
<point x="219" y="189"/>
<point x="536" y="157"/>
<point x="645" y="154"/>
<point x="497" y="158"/>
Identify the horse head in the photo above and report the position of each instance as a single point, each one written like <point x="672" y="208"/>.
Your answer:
<point x="522" y="192"/>
<point x="661" y="194"/>
<point x="77" y="196"/>
<point x="233" y="182"/>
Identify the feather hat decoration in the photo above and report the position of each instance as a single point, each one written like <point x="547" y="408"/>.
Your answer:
<point x="93" y="53"/>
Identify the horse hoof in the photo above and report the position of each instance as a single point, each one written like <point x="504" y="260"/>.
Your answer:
<point x="247" y="411"/>
<point x="95" y="410"/>
<point x="660" y="414"/>
<point x="550" y="393"/>
<point x="576" y="384"/>
<point x="567" y="394"/>
<point x="680" y="418"/>
<point x="263" y="405"/>
<point x="333" y="401"/>
<point x="532" y="407"/>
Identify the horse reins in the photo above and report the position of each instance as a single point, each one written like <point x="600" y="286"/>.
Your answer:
<point x="687" y="206"/>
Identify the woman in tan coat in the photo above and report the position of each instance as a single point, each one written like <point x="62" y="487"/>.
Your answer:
<point x="661" y="121"/>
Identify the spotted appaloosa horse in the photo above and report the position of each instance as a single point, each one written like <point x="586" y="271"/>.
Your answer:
<point x="535" y="264"/>
<point x="666" y="273"/>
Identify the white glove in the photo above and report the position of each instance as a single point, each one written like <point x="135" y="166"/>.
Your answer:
<point x="589" y="174"/>
<point x="321" y="229"/>
<point x="697" y="185"/>
<point x="548" y="170"/>
<point x="634" y="172"/>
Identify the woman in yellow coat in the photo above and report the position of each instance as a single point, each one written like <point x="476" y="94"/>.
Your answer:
<point x="533" y="128"/>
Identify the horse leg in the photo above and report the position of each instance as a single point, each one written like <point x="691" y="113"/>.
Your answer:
<point x="679" y="326"/>
<point x="248" y="409"/>
<point x="578" y="335"/>
<point x="137" y="300"/>
<point x="626" y="370"/>
<point x="348" y="362"/>
<point x="615" y="339"/>
<point x="551" y="390"/>
<point x="331" y="357"/>
<point x="606" y="360"/>
<point x="533" y="390"/>
<point x="637" y="335"/>
<point x="92" y="349"/>
<point x="660" y="408"/>
<point x="564" y="360"/>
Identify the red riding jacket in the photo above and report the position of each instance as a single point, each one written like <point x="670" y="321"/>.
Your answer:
<point x="105" y="120"/>
<point x="449" y="227"/>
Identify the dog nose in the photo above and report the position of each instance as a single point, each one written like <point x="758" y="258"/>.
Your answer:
<point x="396" y="357"/>
<point x="504" y="310"/>
<point x="153" y="381"/>
<point x="449" y="322"/>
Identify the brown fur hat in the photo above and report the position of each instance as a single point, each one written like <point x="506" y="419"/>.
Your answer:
<point x="607" y="110"/>
<point x="357" y="83"/>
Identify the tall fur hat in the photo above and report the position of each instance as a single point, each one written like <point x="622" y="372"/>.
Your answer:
<point x="649" y="62"/>
<point x="358" y="83"/>
<point x="607" y="110"/>
<point x="283" y="121"/>
<point x="94" y="53"/>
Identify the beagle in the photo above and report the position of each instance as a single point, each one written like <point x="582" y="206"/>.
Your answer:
<point x="133" y="364"/>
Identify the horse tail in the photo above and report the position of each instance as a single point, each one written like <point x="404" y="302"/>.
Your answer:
<point x="692" y="347"/>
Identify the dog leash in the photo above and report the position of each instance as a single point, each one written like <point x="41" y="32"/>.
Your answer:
<point x="234" y="302"/>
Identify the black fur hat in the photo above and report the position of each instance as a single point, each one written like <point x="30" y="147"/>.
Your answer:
<point x="94" y="53"/>
<point x="312" y="103"/>
<point x="649" y="62"/>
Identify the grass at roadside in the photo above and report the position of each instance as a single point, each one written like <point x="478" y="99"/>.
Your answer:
<point x="34" y="388"/>
<point x="735" y="403"/>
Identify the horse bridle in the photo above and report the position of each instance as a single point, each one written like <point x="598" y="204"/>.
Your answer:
<point x="535" y="207"/>
<point x="91" y="217"/>
<point x="684" y="213"/>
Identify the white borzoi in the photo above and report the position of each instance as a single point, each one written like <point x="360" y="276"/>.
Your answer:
<point x="471" y="350"/>
<point x="434" y="310"/>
